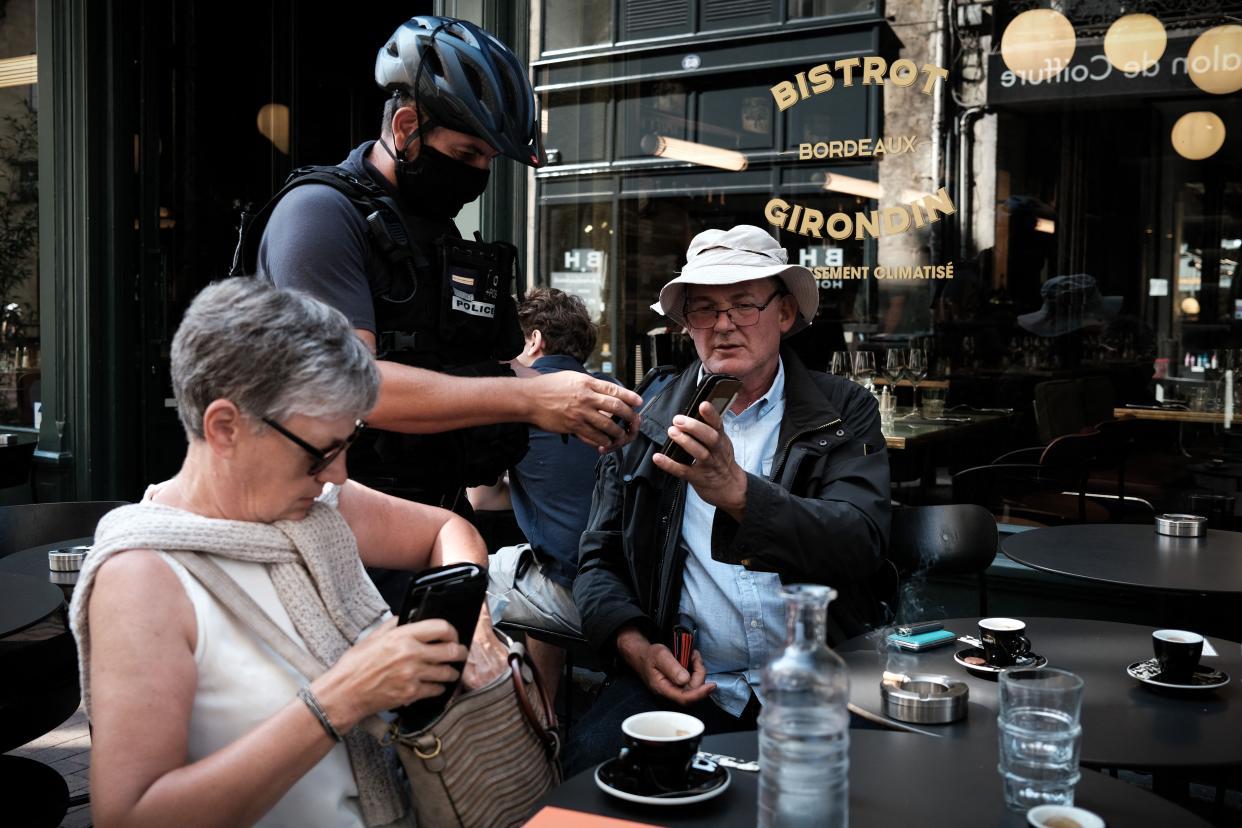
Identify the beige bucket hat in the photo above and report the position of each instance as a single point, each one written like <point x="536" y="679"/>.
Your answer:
<point x="742" y="253"/>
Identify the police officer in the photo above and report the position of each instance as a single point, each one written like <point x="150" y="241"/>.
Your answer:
<point x="374" y="237"/>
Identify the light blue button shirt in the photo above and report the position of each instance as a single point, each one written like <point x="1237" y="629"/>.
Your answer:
<point x="740" y="614"/>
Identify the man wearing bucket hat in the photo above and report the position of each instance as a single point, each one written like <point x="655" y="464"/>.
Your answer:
<point x="791" y="485"/>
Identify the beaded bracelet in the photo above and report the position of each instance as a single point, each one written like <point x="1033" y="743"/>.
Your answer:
<point x="307" y="696"/>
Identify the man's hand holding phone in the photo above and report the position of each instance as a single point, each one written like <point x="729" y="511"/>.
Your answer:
<point x="714" y="474"/>
<point x="659" y="670"/>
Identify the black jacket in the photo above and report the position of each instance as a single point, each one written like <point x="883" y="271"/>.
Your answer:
<point x="822" y="517"/>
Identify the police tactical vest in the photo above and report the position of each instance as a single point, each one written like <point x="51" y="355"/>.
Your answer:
<point x="441" y="303"/>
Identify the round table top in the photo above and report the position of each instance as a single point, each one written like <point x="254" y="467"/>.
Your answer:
<point x="1133" y="555"/>
<point x="895" y="779"/>
<point x="1125" y="724"/>
<point x="33" y="561"/>
<point x="25" y="601"/>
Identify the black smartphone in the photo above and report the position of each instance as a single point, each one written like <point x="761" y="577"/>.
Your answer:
<point x="454" y="592"/>
<point x="718" y="389"/>
<point x="656" y="378"/>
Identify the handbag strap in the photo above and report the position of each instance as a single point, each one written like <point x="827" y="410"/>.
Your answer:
<point x="547" y="734"/>
<point x="239" y="602"/>
<point x="230" y="594"/>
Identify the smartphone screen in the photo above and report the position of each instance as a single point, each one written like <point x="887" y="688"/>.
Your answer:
<point x="718" y="389"/>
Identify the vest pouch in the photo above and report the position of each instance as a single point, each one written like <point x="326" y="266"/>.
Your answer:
<point x="476" y="302"/>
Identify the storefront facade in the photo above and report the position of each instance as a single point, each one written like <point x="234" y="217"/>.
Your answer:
<point x="934" y="180"/>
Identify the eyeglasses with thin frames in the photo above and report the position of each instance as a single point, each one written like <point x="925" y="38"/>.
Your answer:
<point x="742" y="315"/>
<point x="323" y="458"/>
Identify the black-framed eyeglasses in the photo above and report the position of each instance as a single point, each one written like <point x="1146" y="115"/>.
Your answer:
<point x="743" y="315"/>
<point x="323" y="457"/>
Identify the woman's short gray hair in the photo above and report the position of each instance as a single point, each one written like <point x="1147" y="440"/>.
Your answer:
<point x="271" y="352"/>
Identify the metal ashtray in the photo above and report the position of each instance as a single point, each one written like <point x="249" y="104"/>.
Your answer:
<point x="1181" y="525"/>
<point x="924" y="698"/>
<point x="69" y="559"/>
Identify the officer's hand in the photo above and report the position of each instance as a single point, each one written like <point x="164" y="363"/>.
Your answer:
<point x="715" y="475"/>
<point x="569" y="402"/>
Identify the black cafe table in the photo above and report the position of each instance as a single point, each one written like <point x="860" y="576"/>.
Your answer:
<point x="1125" y="724"/>
<point x="32" y="562"/>
<point x="1133" y="556"/>
<point x="25" y="601"/>
<point x="895" y="779"/>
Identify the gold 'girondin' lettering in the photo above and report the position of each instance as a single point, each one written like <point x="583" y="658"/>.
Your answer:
<point x="872" y="69"/>
<point x="887" y="221"/>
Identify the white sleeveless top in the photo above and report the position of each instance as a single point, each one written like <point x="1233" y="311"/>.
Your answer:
<point x="242" y="682"/>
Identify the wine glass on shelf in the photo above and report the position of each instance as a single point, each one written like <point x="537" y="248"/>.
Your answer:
<point x="916" y="369"/>
<point x="894" y="367"/>
<point x="864" y="368"/>
<point x="841" y="364"/>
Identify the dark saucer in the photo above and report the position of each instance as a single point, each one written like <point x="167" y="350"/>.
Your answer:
<point x="1203" y="678"/>
<point x="705" y="780"/>
<point x="972" y="659"/>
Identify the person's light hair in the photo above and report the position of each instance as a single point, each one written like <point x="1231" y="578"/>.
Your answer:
<point x="271" y="352"/>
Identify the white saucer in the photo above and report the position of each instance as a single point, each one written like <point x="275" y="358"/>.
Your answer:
<point x="1040" y="814"/>
<point x="1204" y="678"/>
<point x="711" y="793"/>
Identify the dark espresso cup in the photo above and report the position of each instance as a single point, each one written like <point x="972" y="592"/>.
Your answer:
<point x="1178" y="652"/>
<point x="659" y="747"/>
<point x="1004" y="641"/>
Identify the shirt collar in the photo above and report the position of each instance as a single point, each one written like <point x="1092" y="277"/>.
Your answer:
<point x="774" y="394"/>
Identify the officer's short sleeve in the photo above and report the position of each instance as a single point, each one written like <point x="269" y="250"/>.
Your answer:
<point x="316" y="241"/>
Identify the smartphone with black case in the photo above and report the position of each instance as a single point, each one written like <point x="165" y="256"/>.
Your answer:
<point x="718" y="389"/>
<point x="454" y="592"/>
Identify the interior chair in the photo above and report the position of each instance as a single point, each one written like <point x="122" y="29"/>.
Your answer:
<point x="1069" y="406"/>
<point x="953" y="539"/>
<point x="36" y="524"/>
<point x="1040" y="486"/>
<point x="1058" y="409"/>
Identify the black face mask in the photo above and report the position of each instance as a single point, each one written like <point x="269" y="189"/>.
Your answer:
<point x="434" y="185"/>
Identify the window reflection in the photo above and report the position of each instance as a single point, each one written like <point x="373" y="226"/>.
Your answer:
<point x="20" y="360"/>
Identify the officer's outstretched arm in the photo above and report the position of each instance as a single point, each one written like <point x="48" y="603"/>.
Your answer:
<point x="418" y="401"/>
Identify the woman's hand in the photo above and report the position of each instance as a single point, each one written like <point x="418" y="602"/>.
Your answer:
<point x="391" y="667"/>
<point x="488" y="657"/>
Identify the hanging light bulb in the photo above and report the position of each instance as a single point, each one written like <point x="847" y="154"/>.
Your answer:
<point x="1190" y="306"/>
<point x="1198" y="135"/>
<point x="1038" y="44"/>
<point x="1135" y="42"/>
<point x="273" y="123"/>
<point x="1214" y="61"/>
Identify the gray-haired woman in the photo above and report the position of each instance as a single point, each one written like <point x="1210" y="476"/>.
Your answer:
<point x="196" y="722"/>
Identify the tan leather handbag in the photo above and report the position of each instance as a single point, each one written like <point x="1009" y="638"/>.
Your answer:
<point x="489" y="757"/>
<point x="483" y="763"/>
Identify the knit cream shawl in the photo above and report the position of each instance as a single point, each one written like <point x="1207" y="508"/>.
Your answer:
<point x="318" y="577"/>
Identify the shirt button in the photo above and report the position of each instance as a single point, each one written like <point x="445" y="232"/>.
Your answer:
<point x="754" y="622"/>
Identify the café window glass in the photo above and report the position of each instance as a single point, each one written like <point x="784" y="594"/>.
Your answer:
<point x="579" y="241"/>
<point x="19" y="214"/>
<point x="570" y="24"/>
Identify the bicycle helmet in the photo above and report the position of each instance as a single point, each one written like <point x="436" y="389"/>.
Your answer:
<point x="464" y="79"/>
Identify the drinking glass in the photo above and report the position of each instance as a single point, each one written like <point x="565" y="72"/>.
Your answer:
<point x="894" y="366"/>
<point x="1039" y="736"/>
<point x="916" y="369"/>
<point x="864" y="367"/>
<point x="842" y="366"/>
